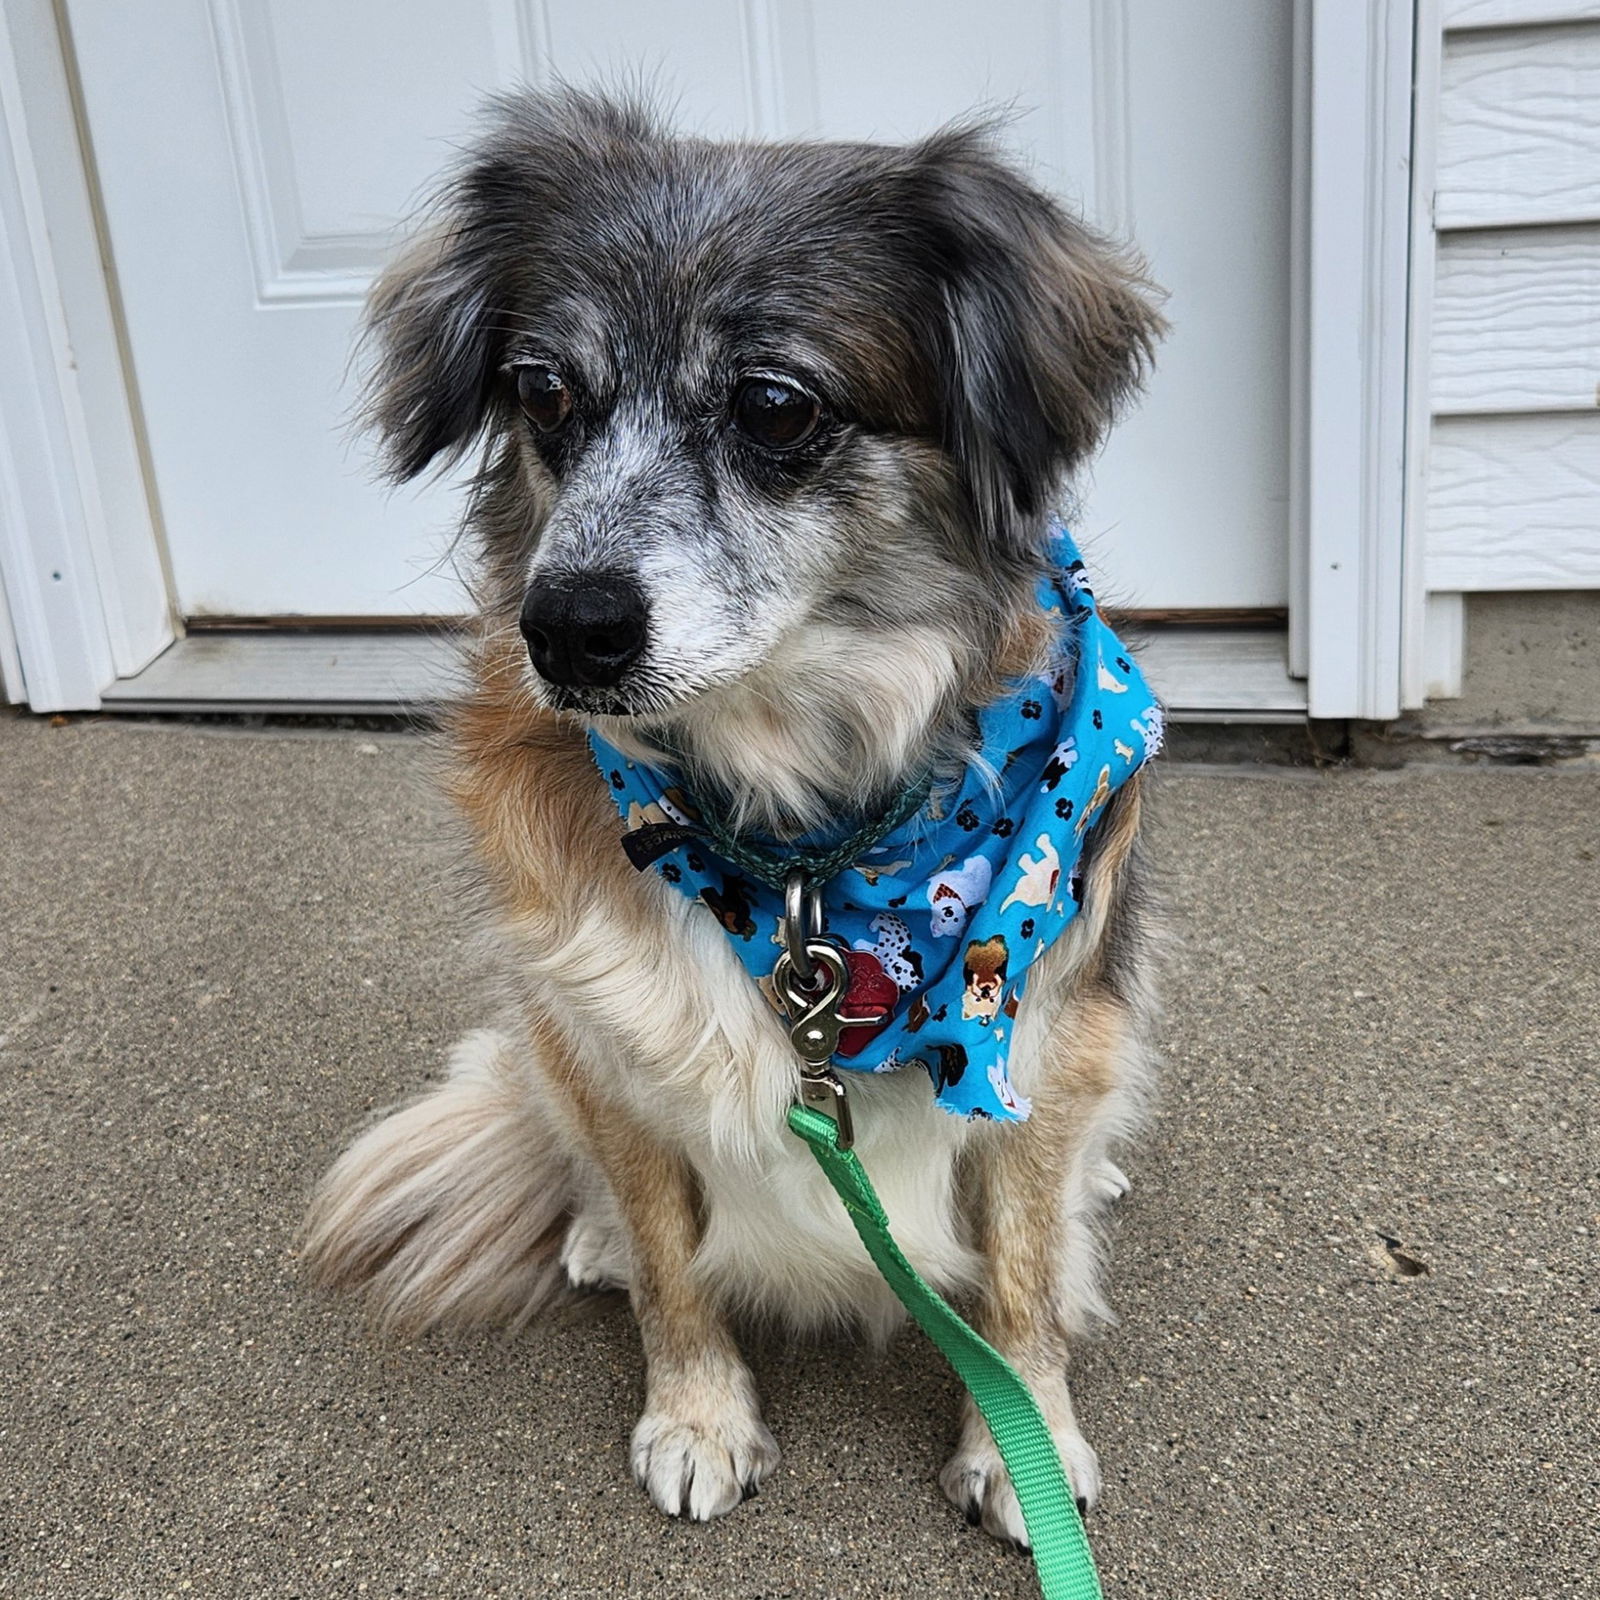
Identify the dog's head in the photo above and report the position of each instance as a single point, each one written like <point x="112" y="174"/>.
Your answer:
<point x="746" y="400"/>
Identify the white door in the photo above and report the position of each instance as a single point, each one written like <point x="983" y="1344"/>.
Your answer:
<point x="256" y="156"/>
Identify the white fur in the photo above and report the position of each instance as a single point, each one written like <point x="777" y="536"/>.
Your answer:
<point x="701" y="1464"/>
<point x="771" y="740"/>
<point x="777" y="1240"/>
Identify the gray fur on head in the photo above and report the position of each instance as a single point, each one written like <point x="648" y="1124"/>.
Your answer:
<point x="819" y="617"/>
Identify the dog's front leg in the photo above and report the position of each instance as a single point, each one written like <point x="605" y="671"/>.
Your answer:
<point x="1037" y="1185"/>
<point x="701" y="1446"/>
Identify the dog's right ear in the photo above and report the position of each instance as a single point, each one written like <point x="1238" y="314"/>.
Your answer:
<point x="430" y="333"/>
<point x="436" y="320"/>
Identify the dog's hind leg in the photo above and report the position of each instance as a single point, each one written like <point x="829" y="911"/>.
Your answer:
<point x="451" y="1209"/>
<point x="594" y="1254"/>
<point x="1038" y="1187"/>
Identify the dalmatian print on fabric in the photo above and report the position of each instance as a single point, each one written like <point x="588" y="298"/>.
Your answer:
<point x="893" y="951"/>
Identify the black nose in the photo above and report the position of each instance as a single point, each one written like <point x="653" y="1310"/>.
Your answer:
<point x="584" y="630"/>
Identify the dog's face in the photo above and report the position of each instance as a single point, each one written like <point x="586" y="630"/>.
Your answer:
<point x="747" y="402"/>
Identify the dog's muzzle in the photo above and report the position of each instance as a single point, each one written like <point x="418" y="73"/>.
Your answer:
<point x="585" y="631"/>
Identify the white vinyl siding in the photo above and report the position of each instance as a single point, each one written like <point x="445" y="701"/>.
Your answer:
<point x="1519" y="140"/>
<point x="1515" y="323"/>
<point x="1513" y="479"/>
<point x="1514" y="502"/>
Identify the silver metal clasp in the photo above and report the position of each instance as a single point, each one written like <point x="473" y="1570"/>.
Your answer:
<point x="802" y="924"/>
<point x="811" y="978"/>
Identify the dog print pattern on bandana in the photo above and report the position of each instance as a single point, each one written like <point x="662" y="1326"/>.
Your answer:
<point x="952" y="907"/>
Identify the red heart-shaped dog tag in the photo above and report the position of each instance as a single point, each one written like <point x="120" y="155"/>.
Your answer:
<point x="867" y="1003"/>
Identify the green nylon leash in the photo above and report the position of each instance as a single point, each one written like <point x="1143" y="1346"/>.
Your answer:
<point x="1049" y="1510"/>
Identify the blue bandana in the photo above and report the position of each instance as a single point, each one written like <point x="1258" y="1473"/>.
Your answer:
<point x="945" y="914"/>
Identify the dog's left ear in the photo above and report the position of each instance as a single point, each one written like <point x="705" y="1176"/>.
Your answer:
<point x="1051" y="329"/>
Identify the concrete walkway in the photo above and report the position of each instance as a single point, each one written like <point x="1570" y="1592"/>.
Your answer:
<point x="1357" y="1273"/>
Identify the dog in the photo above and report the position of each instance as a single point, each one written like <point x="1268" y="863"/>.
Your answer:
<point x="766" y="441"/>
<point x="953" y="893"/>
<point x="984" y="971"/>
<point x="893" y="951"/>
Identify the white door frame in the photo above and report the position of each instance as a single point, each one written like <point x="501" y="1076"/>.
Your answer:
<point x="87" y="589"/>
<point x="1352" y="619"/>
<point x="82" y="574"/>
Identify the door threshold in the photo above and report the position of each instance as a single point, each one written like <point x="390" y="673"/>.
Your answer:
<point x="1221" y="674"/>
<point x="1203" y="674"/>
<point x="332" y="673"/>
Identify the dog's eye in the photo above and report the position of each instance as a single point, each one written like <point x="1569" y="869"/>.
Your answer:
<point x="544" y="397"/>
<point x="776" y="415"/>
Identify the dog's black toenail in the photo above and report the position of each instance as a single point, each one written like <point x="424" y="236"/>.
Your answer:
<point x="974" y="1514"/>
<point x="750" y="1489"/>
<point x="1083" y="1508"/>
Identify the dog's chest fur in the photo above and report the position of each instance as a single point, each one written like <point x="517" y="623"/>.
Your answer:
<point x="640" y="1015"/>
<point x="663" y="1022"/>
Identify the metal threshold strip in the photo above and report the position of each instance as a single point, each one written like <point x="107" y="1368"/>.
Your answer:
<point x="322" y="672"/>
<point x="1205" y="674"/>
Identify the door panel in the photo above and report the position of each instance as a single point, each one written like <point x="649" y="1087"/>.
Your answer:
<point x="257" y="158"/>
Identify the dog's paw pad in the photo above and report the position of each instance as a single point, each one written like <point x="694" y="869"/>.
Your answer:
<point x="976" y="1482"/>
<point x="700" y="1472"/>
<point x="594" y="1256"/>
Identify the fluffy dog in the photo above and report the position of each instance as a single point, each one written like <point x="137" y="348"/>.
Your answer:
<point x="768" y="438"/>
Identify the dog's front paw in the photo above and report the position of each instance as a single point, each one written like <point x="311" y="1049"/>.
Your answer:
<point x="701" y="1469"/>
<point x="976" y="1482"/>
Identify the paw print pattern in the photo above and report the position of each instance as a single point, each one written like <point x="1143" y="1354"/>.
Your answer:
<point x="670" y="872"/>
<point x="1003" y="828"/>
<point x="1027" y="928"/>
<point x="1064" y="810"/>
<point x="967" y="818"/>
<point x="1062" y="760"/>
<point x="1030" y="710"/>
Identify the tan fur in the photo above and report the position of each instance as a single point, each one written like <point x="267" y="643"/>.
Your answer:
<point x="524" y="780"/>
<point x="1036" y="1189"/>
